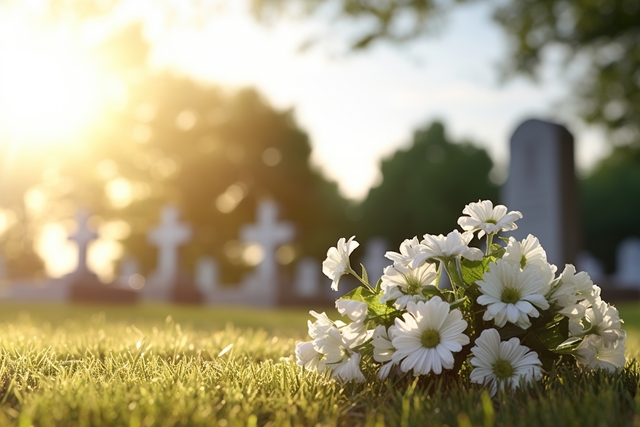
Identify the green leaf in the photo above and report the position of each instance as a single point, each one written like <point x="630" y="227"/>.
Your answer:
<point x="555" y="333"/>
<point x="568" y="346"/>
<point x="472" y="291"/>
<point x="358" y="294"/>
<point x="379" y="285"/>
<point x="472" y="271"/>
<point x="497" y="251"/>
<point x="374" y="307"/>
<point x="365" y="276"/>
<point x="431" y="291"/>
<point x="457" y="303"/>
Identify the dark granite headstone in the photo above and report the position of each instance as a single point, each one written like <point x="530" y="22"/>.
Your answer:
<point x="542" y="185"/>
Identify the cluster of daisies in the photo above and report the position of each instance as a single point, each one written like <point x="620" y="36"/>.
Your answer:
<point x="504" y="317"/>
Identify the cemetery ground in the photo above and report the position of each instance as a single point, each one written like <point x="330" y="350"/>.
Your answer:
<point x="68" y="365"/>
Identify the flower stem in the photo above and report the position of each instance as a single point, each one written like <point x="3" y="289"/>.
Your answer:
<point x="489" y="243"/>
<point x="361" y="280"/>
<point x="452" y="266"/>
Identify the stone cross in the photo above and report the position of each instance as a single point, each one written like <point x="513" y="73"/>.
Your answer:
<point x="269" y="234"/>
<point x="542" y="185"/>
<point x="83" y="236"/>
<point x="168" y="236"/>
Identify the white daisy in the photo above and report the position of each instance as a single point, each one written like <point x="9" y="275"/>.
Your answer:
<point x="604" y="320"/>
<point x="502" y="364"/>
<point x="408" y="251"/>
<point x="596" y="352"/>
<point x="444" y="248"/>
<point x="529" y="252"/>
<point x="337" y="262"/>
<point x="383" y="350"/>
<point x="308" y="357"/>
<point x="488" y="219"/>
<point x="322" y="325"/>
<point x="337" y="356"/>
<point x="354" y="310"/>
<point x="572" y="287"/>
<point x="403" y="284"/>
<point x="355" y="333"/>
<point x="349" y="369"/>
<point x="427" y="336"/>
<point x="510" y="294"/>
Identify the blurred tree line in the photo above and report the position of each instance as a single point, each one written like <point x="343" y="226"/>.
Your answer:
<point x="425" y="187"/>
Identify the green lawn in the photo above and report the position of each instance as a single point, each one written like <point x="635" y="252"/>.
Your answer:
<point x="179" y="365"/>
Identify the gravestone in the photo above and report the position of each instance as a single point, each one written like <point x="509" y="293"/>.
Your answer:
<point x="628" y="263"/>
<point x="82" y="237"/>
<point x="307" y="278"/>
<point x="207" y="277"/>
<point x="269" y="234"/>
<point x="374" y="260"/>
<point x="169" y="282"/>
<point x="542" y="185"/>
<point x="83" y="284"/>
<point x="588" y="263"/>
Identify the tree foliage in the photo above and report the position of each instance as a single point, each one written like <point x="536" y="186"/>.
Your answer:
<point x="603" y="35"/>
<point x="609" y="203"/>
<point x="424" y="187"/>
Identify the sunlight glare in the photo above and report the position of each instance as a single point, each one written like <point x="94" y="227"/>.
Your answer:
<point x="61" y="256"/>
<point x="49" y="90"/>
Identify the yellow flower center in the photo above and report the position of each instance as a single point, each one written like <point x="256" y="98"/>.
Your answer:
<point x="502" y="369"/>
<point x="413" y="285"/>
<point x="510" y="295"/>
<point x="523" y="261"/>
<point x="430" y="338"/>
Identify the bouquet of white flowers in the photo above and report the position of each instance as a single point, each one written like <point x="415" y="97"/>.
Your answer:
<point x="506" y="319"/>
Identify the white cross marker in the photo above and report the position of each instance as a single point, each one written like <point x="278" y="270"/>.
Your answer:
<point x="167" y="237"/>
<point x="269" y="234"/>
<point x="82" y="237"/>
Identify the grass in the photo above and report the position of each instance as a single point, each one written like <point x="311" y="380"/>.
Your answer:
<point x="164" y="365"/>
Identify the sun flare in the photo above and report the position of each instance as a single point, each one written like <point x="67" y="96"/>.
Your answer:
<point x="49" y="90"/>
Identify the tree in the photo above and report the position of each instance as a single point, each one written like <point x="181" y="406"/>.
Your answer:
<point x="610" y="197"/>
<point x="424" y="187"/>
<point x="603" y="35"/>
